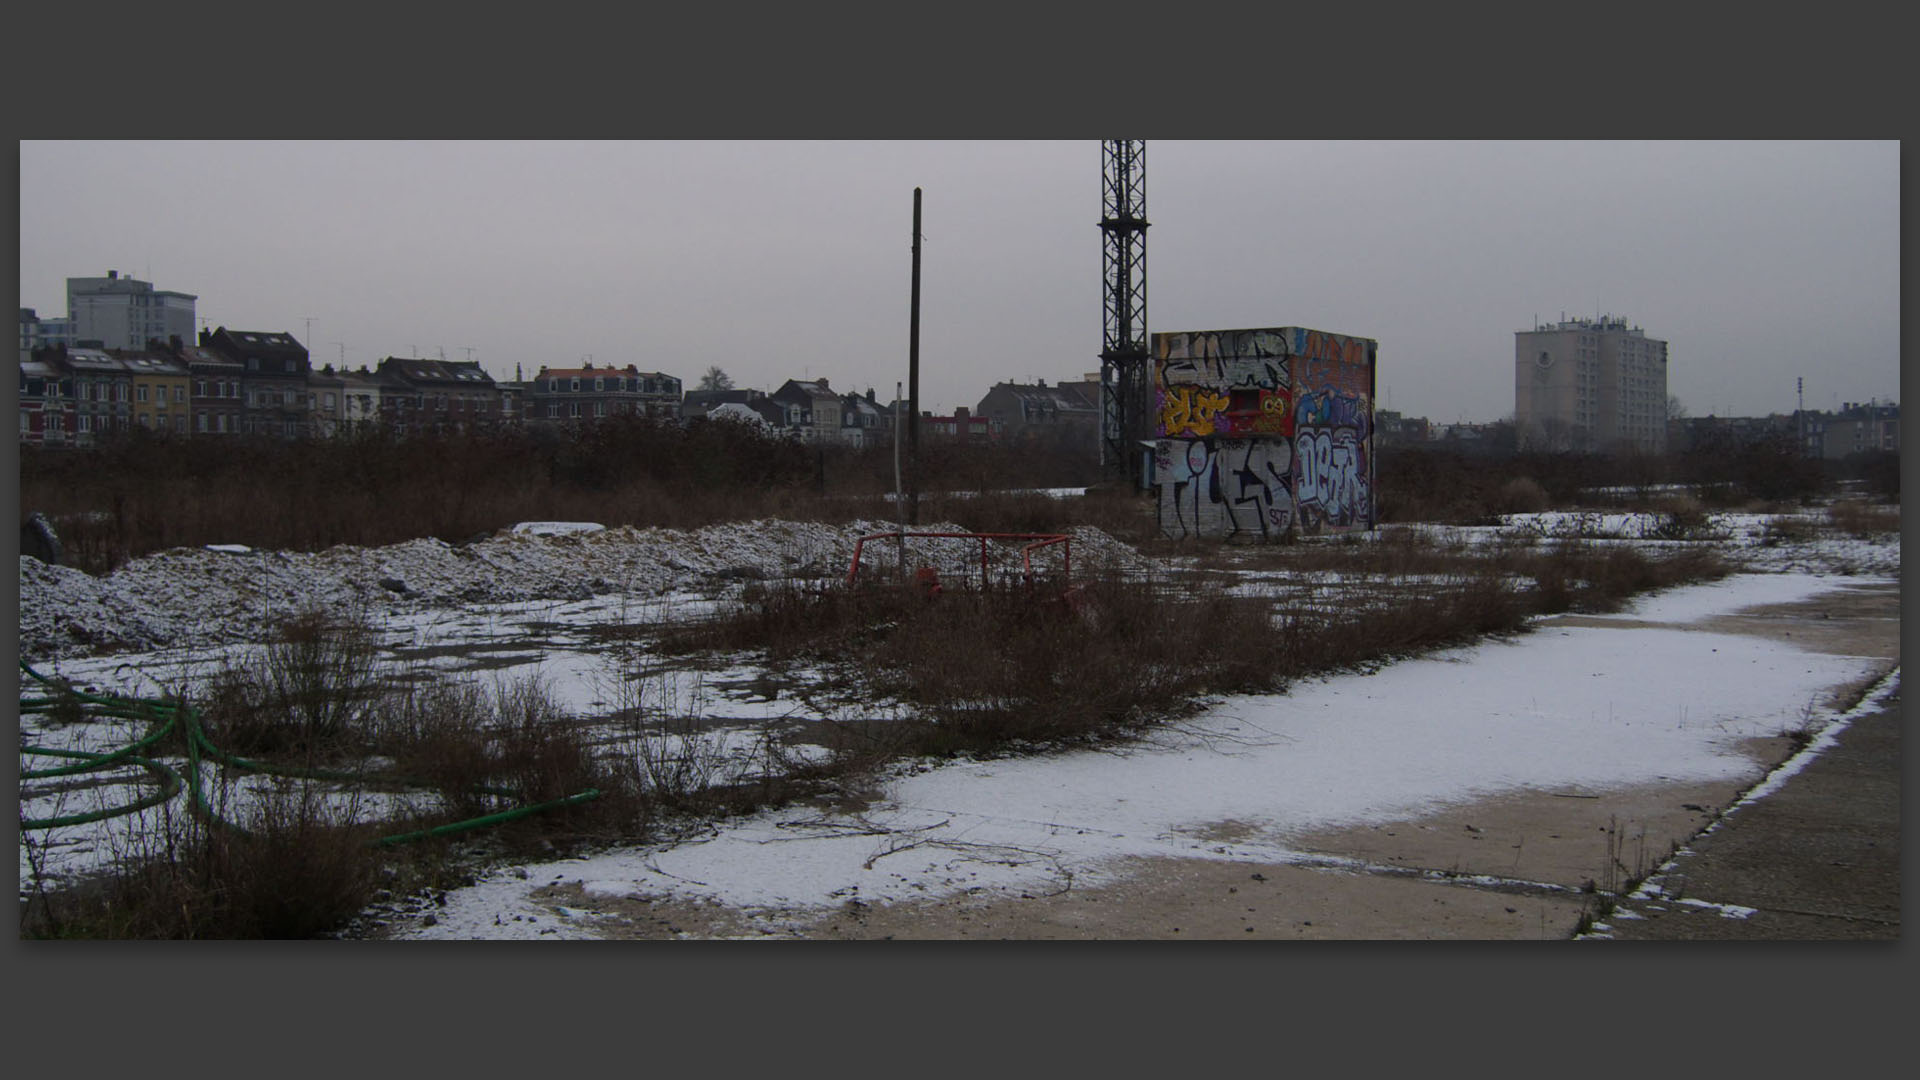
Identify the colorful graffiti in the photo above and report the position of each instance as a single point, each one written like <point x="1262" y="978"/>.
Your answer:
<point x="1263" y="431"/>
<point x="1190" y="410"/>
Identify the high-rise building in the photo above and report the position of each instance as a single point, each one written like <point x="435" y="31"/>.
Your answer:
<point x="125" y="313"/>
<point x="1590" y="384"/>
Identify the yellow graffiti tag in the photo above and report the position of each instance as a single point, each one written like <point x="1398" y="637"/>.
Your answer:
<point x="1190" y="410"/>
<point x="1276" y="413"/>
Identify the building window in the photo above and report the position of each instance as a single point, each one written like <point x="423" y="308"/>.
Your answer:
<point x="576" y="386"/>
<point x="140" y="393"/>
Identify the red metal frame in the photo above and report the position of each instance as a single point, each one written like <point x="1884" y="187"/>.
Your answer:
<point x="1040" y="540"/>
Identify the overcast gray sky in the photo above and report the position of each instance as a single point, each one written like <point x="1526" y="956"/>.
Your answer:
<point x="1759" y="262"/>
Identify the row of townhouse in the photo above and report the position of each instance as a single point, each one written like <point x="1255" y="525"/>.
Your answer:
<point x="234" y="382"/>
<point x="1856" y="428"/>
<point x="596" y="393"/>
<point x="1066" y="412"/>
<point x="812" y="411"/>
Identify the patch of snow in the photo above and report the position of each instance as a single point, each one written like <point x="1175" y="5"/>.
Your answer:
<point x="555" y="528"/>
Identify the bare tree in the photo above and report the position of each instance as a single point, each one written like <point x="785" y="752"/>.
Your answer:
<point x="716" y="379"/>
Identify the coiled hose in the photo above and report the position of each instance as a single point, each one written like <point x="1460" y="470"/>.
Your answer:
<point x="163" y="716"/>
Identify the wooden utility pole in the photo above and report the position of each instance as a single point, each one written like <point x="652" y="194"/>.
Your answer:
<point x="899" y="495"/>
<point x="913" y="378"/>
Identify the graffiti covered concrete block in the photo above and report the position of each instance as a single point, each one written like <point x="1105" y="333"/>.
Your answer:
<point x="1263" y="431"/>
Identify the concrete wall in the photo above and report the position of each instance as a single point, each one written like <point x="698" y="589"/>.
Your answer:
<point x="1259" y="432"/>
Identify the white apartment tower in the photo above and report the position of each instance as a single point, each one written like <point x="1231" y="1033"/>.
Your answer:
<point x="1590" y="384"/>
<point x="124" y="313"/>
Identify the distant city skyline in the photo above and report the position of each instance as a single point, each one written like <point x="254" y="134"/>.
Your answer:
<point x="1759" y="262"/>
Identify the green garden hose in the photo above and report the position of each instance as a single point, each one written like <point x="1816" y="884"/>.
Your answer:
<point x="164" y="714"/>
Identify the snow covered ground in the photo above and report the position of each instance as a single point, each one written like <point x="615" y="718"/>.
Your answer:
<point x="1575" y="707"/>
<point x="1572" y="709"/>
<point x="225" y="593"/>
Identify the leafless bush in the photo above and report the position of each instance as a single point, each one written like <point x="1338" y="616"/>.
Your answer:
<point x="297" y="868"/>
<point x="1789" y="528"/>
<point x="312" y="690"/>
<point x="1681" y="517"/>
<point x="1521" y="495"/>
<point x="1863" y="520"/>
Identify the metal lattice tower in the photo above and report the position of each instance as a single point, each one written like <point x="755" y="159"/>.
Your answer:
<point x="1123" y="359"/>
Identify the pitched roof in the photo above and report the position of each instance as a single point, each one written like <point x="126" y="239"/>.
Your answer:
<point x="1064" y="398"/>
<point x="815" y="389"/>
<point x="455" y="372"/>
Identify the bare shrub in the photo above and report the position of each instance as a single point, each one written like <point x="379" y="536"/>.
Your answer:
<point x="485" y="749"/>
<point x="298" y="869"/>
<point x="310" y="691"/>
<point x="983" y="668"/>
<point x="1789" y="528"/>
<point x="1863" y="520"/>
<point x="1521" y="495"/>
<point x="1609" y="575"/>
<point x="436" y="735"/>
<point x="1680" y="517"/>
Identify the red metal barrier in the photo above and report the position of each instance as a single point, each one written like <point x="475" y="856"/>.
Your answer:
<point x="1039" y="541"/>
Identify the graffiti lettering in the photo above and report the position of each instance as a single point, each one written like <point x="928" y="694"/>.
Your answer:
<point x="1330" y="482"/>
<point x="1224" y="372"/>
<point x="1319" y="409"/>
<point x="1190" y="410"/>
<point x="1262" y="484"/>
<point x="1314" y="345"/>
<point x="1182" y="473"/>
<point x="1263" y="430"/>
<point x="1224" y="487"/>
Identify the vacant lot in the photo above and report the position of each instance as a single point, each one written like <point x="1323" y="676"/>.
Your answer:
<point x="837" y="717"/>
